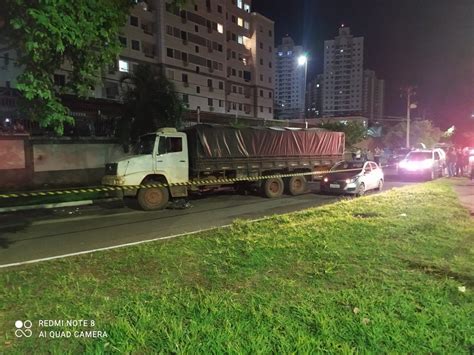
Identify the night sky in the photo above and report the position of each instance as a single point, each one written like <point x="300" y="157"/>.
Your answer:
<point x="428" y="43"/>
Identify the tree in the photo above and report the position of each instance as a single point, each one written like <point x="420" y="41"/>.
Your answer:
<point x="150" y="101"/>
<point x="81" y="34"/>
<point x="420" y="132"/>
<point x="354" y="131"/>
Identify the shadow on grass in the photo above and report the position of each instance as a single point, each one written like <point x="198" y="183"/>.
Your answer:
<point x="441" y="272"/>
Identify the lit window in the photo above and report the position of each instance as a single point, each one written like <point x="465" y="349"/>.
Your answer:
<point x="240" y="39"/>
<point x="280" y="54"/>
<point x="246" y="25"/>
<point x="123" y="66"/>
<point x="247" y="7"/>
<point x="240" y="22"/>
<point x="220" y="28"/>
<point x="239" y="4"/>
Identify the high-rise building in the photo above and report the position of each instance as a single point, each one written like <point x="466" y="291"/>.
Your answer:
<point x="343" y="71"/>
<point x="219" y="55"/>
<point x="373" y="96"/>
<point x="314" y="97"/>
<point x="290" y="80"/>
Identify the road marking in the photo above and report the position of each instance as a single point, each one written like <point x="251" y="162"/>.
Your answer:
<point x="34" y="261"/>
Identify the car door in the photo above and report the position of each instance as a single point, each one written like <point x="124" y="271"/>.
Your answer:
<point x="367" y="176"/>
<point x="377" y="174"/>
<point x="172" y="157"/>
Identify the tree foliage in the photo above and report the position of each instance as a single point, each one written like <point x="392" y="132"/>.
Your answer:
<point x="354" y="131"/>
<point x="81" y="35"/>
<point x="150" y="100"/>
<point x="420" y="132"/>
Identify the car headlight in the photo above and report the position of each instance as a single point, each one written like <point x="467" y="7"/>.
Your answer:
<point x="348" y="181"/>
<point x="325" y="179"/>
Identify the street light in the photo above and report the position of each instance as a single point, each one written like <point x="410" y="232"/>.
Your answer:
<point x="303" y="60"/>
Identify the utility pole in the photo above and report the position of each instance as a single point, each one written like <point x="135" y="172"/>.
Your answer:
<point x="409" y="92"/>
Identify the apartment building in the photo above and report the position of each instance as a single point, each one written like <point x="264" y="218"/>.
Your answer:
<point x="373" y="96"/>
<point x="219" y="55"/>
<point x="290" y="79"/>
<point x="343" y="71"/>
<point x="314" y="97"/>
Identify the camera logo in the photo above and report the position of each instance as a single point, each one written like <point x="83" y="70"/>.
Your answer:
<point x="23" y="329"/>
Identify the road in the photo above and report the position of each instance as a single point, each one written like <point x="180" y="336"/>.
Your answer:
<point x="27" y="238"/>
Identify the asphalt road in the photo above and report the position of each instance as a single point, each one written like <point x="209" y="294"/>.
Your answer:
<point x="32" y="237"/>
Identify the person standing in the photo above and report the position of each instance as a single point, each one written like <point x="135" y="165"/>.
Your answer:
<point x="459" y="162"/>
<point x="451" y="161"/>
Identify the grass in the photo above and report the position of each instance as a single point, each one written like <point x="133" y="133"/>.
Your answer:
<point x="376" y="274"/>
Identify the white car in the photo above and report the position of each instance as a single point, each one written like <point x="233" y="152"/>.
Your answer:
<point x="353" y="177"/>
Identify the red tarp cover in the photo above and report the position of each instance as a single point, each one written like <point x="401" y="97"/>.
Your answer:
<point x="227" y="142"/>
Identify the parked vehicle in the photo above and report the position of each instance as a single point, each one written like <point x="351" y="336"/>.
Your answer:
<point x="198" y="156"/>
<point x="429" y="164"/>
<point x="353" y="177"/>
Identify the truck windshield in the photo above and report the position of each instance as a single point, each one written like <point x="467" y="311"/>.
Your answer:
<point x="145" y="145"/>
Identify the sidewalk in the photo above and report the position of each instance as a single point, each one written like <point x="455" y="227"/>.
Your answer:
<point x="465" y="190"/>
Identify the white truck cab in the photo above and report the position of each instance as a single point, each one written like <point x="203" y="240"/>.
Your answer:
<point x="157" y="157"/>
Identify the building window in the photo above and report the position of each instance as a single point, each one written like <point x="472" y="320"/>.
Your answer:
<point x="220" y="28"/>
<point x="209" y="83"/>
<point x="170" y="74"/>
<point x="198" y="90"/>
<point x="233" y="19"/>
<point x="123" y="41"/>
<point x="234" y="89"/>
<point x="261" y="93"/>
<point x="240" y="39"/>
<point x="221" y="103"/>
<point x="196" y="8"/>
<point x="246" y="25"/>
<point x="261" y="108"/>
<point x="134" y="21"/>
<point x="240" y="22"/>
<point x="270" y="49"/>
<point x="185" y="98"/>
<point x="169" y="52"/>
<point x="270" y="33"/>
<point x="123" y="66"/>
<point x="210" y="102"/>
<point x="269" y="64"/>
<point x="184" y="78"/>
<point x="240" y="107"/>
<point x="261" y="77"/>
<point x="234" y="73"/>
<point x="219" y="9"/>
<point x="239" y="4"/>
<point x="197" y="69"/>
<point x="196" y="28"/>
<point x="269" y="94"/>
<point x="261" y="61"/>
<point x="261" y="45"/>
<point x="247" y="8"/>
<point x="135" y="45"/>
<point x="221" y="85"/>
<point x="269" y="110"/>
<point x="196" y="48"/>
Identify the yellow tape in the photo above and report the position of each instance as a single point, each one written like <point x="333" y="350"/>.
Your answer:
<point x="159" y="185"/>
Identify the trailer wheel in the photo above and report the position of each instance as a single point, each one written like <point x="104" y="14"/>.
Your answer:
<point x="273" y="187"/>
<point x="296" y="185"/>
<point x="153" y="198"/>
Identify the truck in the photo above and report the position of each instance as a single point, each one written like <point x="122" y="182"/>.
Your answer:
<point x="206" y="156"/>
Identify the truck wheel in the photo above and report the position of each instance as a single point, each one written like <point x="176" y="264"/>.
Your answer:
<point x="273" y="187"/>
<point x="153" y="198"/>
<point x="296" y="185"/>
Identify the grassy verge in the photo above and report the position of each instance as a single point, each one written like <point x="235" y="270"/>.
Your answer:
<point x="386" y="273"/>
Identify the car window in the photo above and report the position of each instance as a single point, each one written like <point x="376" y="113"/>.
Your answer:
<point x="373" y="166"/>
<point x="367" y="167"/>
<point x="436" y="155"/>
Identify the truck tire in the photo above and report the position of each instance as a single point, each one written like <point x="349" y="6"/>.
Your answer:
<point x="273" y="187"/>
<point x="296" y="185"/>
<point x="153" y="198"/>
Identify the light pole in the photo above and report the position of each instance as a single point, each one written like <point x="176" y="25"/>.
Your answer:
<point x="303" y="61"/>
<point x="410" y="91"/>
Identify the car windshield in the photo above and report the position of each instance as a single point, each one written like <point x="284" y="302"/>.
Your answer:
<point x="145" y="145"/>
<point x="345" y="165"/>
<point x="418" y="156"/>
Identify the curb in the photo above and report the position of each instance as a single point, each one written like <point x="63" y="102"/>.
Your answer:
<point x="57" y="205"/>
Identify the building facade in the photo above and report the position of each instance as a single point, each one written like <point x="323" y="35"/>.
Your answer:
<point x="343" y="73"/>
<point x="373" y="96"/>
<point x="218" y="54"/>
<point x="290" y="80"/>
<point x="314" y="97"/>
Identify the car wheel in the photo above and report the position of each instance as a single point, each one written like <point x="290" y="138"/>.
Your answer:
<point x="380" y="185"/>
<point x="361" y="189"/>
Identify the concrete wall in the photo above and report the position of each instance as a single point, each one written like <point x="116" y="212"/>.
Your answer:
<point x="34" y="163"/>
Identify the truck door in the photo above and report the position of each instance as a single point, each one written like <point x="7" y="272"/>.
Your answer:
<point x="172" y="157"/>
